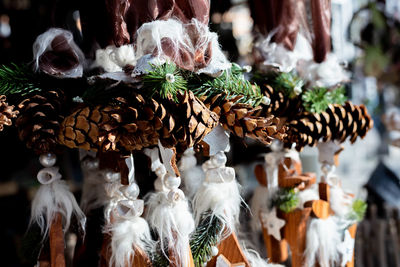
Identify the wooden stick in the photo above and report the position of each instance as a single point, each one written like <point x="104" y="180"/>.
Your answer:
<point x="277" y="250"/>
<point x="56" y="236"/>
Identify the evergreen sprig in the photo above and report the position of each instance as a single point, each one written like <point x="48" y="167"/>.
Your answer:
<point x="17" y="79"/>
<point x="164" y="80"/>
<point x="285" y="199"/>
<point x="318" y="99"/>
<point x="231" y="82"/>
<point x="359" y="208"/>
<point x="158" y="257"/>
<point x="290" y="84"/>
<point x="207" y="235"/>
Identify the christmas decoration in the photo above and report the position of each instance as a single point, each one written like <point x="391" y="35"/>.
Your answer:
<point x="7" y="113"/>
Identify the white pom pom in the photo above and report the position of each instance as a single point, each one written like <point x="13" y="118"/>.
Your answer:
<point x="214" y="251"/>
<point x="170" y="77"/>
<point x="266" y="100"/>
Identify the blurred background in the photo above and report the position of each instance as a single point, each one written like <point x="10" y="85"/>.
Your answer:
<point x="365" y="37"/>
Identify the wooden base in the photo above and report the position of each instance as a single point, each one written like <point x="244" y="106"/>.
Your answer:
<point x="277" y="250"/>
<point x="230" y="248"/>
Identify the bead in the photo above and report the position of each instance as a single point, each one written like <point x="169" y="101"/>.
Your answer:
<point x="247" y="68"/>
<point x="90" y="164"/>
<point x="266" y="100"/>
<point x="214" y="251"/>
<point x="130" y="191"/>
<point x="172" y="182"/>
<point x="47" y="160"/>
<point x="111" y="177"/>
<point x="161" y="171"/>
<point x="170" y="77"/>
<point x="175" y="195"/>
<point x="297" y="90"/>
<point x="219" y="159"/>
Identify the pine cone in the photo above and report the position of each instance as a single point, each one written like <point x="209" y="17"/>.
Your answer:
<point x="281" y="105"/>
<point x="338" y="122"/>
<point x="135" y="123"/>
<point x="7" y="113"/>
<point x="81" y="130"/>
<point x="39" y="120"/>
<point x="241" y="119"/>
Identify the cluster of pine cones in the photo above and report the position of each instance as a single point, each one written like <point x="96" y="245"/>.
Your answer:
<point x="135" y="122"/>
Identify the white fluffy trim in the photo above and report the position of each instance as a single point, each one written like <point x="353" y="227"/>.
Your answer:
<point x="170" y="216"/>
<point x="255" y="259"/>
<point x="259" y="202"/>
<point x="222" y="199"/>
<point x="323" y="238"/>
<point x="113" y="59"/>
<point x="51" y="199"/>
<point x="126" y="235"/>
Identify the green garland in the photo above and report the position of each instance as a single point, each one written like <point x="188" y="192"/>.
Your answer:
<point x="18" y="79"/>
<point x="231" y="82"/>
<point x="207" y="235"/>
<point x="286" y="199"/>
<point x="359" y="208"/>
<point x="289" y="83"/>
<point x="164" y="80"/>
<point x="318" y="99"/>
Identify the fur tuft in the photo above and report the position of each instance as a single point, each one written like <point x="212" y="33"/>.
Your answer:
<point x="51" y="199"/>
<point x="127" y="235"/>
<point x="323" y="238"/>
<point x="222" y="199"/>
<point x="173" y="222"/>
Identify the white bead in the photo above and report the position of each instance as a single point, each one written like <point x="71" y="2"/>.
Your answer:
<point x="247" y="68"/>
<point x="170" y="77"/>
<point x="110" y="176"/>
<point x="297" y="90"/>
<point x="172" y="182"/>
<point x="219" y="159"/>
<point x="47" y="160"/>
<point x="214" y="251"/>
<point x="161" y="171"/>
<point x="266" y="100"/>
<point x="130" y="191"/>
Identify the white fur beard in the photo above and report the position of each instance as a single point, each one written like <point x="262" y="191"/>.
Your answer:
<point x="323" y="237"/>
<point x="222" y="199"/>
<point x="192" y="180"/>
<point x="259" y="202"/>
<point x="173" y="223"/>
<point x="51" y="199"/>
<point x="339" y="202"/>
<point x="255" y="259"/>
<point x="127" y="235"/>
<point x="93" y="192"/>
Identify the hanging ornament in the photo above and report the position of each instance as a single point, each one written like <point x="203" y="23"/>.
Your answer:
<point x="168" y="209"/>
<point x="53" y="198"/>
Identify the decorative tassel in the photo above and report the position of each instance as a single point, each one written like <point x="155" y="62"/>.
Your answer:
<point x="129" y="232"/>
<point x="192" y="175"/>
<point x="219" y="193"/>
<point x="52" y="198"/>
<point x="168" y="209"/>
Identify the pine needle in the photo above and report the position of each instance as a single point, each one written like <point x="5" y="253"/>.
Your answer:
<point x="165" y="81"/>
<point x="290" y="84"/>
<point x="207" y="235"/>
<point x="285" y="199"/>
<point x="318" y="99"/>
<point x="17" y="79"/>
<point x="231" y="82"/>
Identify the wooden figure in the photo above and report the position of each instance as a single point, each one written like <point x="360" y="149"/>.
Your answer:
<point x="290" y="175"/>
<point x="230" y="248"/>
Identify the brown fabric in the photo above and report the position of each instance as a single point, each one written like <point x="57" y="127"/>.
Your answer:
<point x="280" y="16"/>
<point x="116" y="21"/>
<point x="60" y="59"/>
<point x="321" y="16"/>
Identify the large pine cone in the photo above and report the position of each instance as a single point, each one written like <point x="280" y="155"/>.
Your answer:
<point x="7" y="113"/>
<point x="281" y="105"/>
<point x="338" y="122"/>
<point x="241" y="119"/>
<point x="39" y="120"/>
<point x="135" y="123"/>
